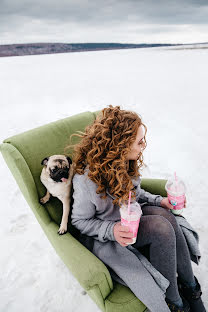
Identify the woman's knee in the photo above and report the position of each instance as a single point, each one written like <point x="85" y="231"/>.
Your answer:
<point x="167" y="214"/>
<point x="162" y="227"/>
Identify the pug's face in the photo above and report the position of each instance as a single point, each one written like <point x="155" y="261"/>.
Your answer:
<point x="57" y="167"/>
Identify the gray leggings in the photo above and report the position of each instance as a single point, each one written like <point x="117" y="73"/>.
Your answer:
<point x="168" y="250"/>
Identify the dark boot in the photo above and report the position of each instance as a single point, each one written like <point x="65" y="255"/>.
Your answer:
<point x="175" y="308"/>
<point x="192" y="295"/>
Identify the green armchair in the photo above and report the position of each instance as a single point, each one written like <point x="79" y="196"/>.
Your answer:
<point x="23" y="154"/>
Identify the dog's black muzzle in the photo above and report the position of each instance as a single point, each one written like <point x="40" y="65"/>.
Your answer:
<point x="59" y="174"/>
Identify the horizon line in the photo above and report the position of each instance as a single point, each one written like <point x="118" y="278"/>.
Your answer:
<point x="53" y="42"/>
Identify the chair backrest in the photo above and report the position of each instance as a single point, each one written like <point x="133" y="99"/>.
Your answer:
<point x="34" y="145"/>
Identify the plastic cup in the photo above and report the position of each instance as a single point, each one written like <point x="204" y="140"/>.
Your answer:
<point x="176" y="189"/>
<point x="132" y="219"/>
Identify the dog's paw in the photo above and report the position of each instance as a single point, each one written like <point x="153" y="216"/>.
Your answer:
<point x="62" y="230"/>
<point x="44" y="200"/>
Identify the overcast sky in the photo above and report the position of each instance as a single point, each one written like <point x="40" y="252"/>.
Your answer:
<point x="125" y="21"/>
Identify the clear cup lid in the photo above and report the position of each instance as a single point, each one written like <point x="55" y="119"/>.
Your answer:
<point x="175" y="186"/>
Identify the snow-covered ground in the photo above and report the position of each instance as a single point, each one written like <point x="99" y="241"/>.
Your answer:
<point x="167" y="87"/>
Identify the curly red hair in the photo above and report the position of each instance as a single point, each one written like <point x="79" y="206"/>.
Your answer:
<point x="104" y="147"/>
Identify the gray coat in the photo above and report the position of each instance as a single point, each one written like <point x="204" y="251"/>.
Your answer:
<point x="95" y="218"/>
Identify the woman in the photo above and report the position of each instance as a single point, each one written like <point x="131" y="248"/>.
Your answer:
<point x="108" y="161"/>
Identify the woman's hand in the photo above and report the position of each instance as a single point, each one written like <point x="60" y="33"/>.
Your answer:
<point x="165" y="203"/>
<point x="122" y="234"/>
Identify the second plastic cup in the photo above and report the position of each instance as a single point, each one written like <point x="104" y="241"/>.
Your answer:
<point x="176" y="189"/>
<point x="132" y="219"/>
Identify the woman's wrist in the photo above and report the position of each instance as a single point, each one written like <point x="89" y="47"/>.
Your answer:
<point x="159" y="200"/>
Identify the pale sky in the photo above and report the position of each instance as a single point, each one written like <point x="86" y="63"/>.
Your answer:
<point x="124" y="21"/>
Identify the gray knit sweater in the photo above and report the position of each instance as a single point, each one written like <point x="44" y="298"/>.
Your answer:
<point x="96" y="217"/>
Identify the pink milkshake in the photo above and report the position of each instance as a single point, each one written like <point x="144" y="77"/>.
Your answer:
<point x="130" y="216"/>
<point x="176" y="189"/>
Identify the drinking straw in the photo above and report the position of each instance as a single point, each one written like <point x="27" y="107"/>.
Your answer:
<point x="129" y="203"/>
<point x="176" y="180"/>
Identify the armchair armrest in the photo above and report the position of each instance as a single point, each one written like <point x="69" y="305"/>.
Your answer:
<point x="154" y="186"/>
<point x="91" y="273"/>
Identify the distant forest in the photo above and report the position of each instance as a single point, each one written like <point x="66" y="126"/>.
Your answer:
<point x="48" y="48"/>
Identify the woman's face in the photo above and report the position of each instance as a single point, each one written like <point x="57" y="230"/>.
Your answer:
<point x="138" y="145"/>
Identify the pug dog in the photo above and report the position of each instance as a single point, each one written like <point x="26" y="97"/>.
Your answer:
<point x="57" y="176"/>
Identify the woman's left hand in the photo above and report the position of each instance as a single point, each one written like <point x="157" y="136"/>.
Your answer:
<point x="165" y="203"/>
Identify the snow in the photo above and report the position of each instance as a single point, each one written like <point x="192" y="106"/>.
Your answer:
<point x="167" y="87"/>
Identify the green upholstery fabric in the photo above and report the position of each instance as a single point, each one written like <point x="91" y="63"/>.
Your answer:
<point x="23" y="154"/>
<point x="154" y="186"/>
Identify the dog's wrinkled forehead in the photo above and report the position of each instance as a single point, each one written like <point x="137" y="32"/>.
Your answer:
<point x="57" y="161"/>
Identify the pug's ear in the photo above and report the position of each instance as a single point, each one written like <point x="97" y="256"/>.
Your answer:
<point x="45" y="161"/>
<point x="69" y="160"/>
